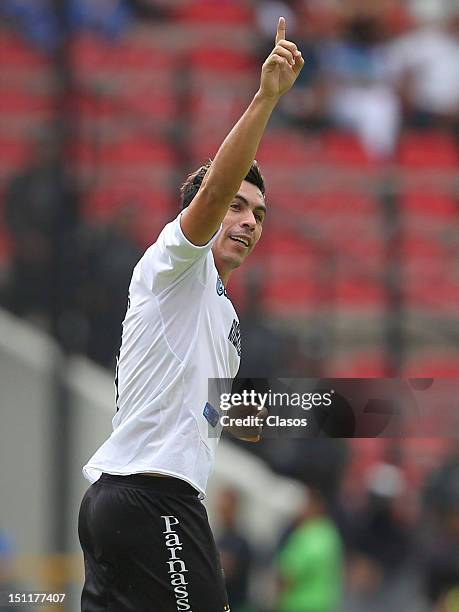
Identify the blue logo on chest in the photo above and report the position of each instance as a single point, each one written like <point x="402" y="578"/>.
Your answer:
<point x="210" y="414"/>
<point x="220" y="287"/>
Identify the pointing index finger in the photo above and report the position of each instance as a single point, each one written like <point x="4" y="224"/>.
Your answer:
<point x="280" y="29"/>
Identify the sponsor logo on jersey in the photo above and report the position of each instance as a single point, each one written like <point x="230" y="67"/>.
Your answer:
<point x="176" y="567"/>
<point x="235" y="336"/>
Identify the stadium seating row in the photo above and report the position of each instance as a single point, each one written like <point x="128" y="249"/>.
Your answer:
<point x="129" y="94"/>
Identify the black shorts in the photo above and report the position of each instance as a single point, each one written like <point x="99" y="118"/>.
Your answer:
<point x="148" y="547"/>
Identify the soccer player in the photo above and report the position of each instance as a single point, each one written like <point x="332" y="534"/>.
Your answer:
<point x="144" y="532"/>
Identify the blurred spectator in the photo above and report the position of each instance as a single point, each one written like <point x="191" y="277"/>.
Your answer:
<point x="152" y="9"/>
<point x="355" y="74"/>
<point x="109" y="254"/>
<point x="266" y="349"/>
<point x="378" y="535"/>
<point x="36" y="19"/>
<point x="41" y="217"/>
<point x="440" y="553"/>
<point x="424" y="64"/>
<point x="108" y="17"/>
<point x="310" y="561"/>
<point x="235" y="552"/>
<point x="41" y="24"/>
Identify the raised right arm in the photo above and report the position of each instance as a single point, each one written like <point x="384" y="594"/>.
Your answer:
<point x="202" y="218"/>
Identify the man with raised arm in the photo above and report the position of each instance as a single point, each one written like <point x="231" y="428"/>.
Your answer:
<point x="144" y="532"/>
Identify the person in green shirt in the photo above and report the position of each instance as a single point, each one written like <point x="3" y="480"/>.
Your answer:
<point x="310" y="562"/>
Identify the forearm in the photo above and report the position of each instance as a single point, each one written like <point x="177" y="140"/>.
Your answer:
<point x="237" y="152"/>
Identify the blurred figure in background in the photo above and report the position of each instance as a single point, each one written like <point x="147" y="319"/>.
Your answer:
<point x="378" y="542"/>
<point x="424" y="64"/>
<point x="109" y="254"/>
<point x="360" y="96"/>
<point x="310" y="561"/>
<point x="440" y="550"/>
<point x="235" y="553"/>
<point x="43" y="233"/>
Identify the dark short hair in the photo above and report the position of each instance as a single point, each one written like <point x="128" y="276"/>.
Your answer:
<point x="193" y="182"/>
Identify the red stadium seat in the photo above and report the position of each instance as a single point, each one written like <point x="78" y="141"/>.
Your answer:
<point x="93" y="54"/>
<point x="16" y="53"/>
<point x="13" y="153"/>
<point x="129" y="151"/>
<point x="101" y="203"/>
<point x="430" y="281"/>
<point x="138" y="150"/>
<point x="433" y="150"/>
<point x="294" y="282"/>
<point x="287" y="242"/>
<point x="359" y="292"/>
<point x="154" y="208"/>
<point x="220" y="60"/>
<point x="24" y="103"/>
<point x="346" y="225"/>
<point x="214" y="12"/>
<point x="417" y="245"/>
<point x="134" y="161"/>
<point x="136" y="112"/>
<point x="163" y="106"/>
<point x="431" y="205"/>
<point x="284" y="147"/>
<point x="432" y="363"/>
<point x="345" y="149"/>
<point x="357" y="364"/>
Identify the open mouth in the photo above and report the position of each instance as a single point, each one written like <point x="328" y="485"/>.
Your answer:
<point x="243" y="241"/>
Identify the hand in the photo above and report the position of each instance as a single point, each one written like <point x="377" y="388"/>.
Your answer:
<point x="247" y="433"/>
<point x="282" y="67"/>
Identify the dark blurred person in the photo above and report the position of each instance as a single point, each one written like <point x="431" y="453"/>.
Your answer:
<point x="110" y="254"/>
<point x="41" y="217"/>
<point x="379" y="543"/>
<point x="235" y="553"/>
<point x="310" y="561"/>
<point x="378" y="534"/>
<point x="440" y="554"/>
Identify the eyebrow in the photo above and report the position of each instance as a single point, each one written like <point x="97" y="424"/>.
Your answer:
<point x="259" y="207"/>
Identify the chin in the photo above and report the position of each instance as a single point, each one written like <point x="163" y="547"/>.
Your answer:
<point x="232" y="261"/>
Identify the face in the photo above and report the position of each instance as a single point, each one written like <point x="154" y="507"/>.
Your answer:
<point x="242" y="227"/>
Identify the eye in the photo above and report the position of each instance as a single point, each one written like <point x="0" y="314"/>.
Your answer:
<point x="259" y="217"/>
<point x="235" y="206"/>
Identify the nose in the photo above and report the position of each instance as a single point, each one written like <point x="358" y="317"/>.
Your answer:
<point x="249" y="221"/>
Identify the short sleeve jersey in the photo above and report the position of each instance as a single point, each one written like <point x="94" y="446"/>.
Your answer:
<point x="180" y="330"/>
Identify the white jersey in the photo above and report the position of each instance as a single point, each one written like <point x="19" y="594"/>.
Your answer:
<point x="180" y="330"/>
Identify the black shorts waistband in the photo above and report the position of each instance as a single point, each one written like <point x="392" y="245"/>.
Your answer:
<point x="162" y="484"/>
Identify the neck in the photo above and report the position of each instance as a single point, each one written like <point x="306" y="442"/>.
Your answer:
<point x="224" y="275"/>
<point x="223" y="270"/>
